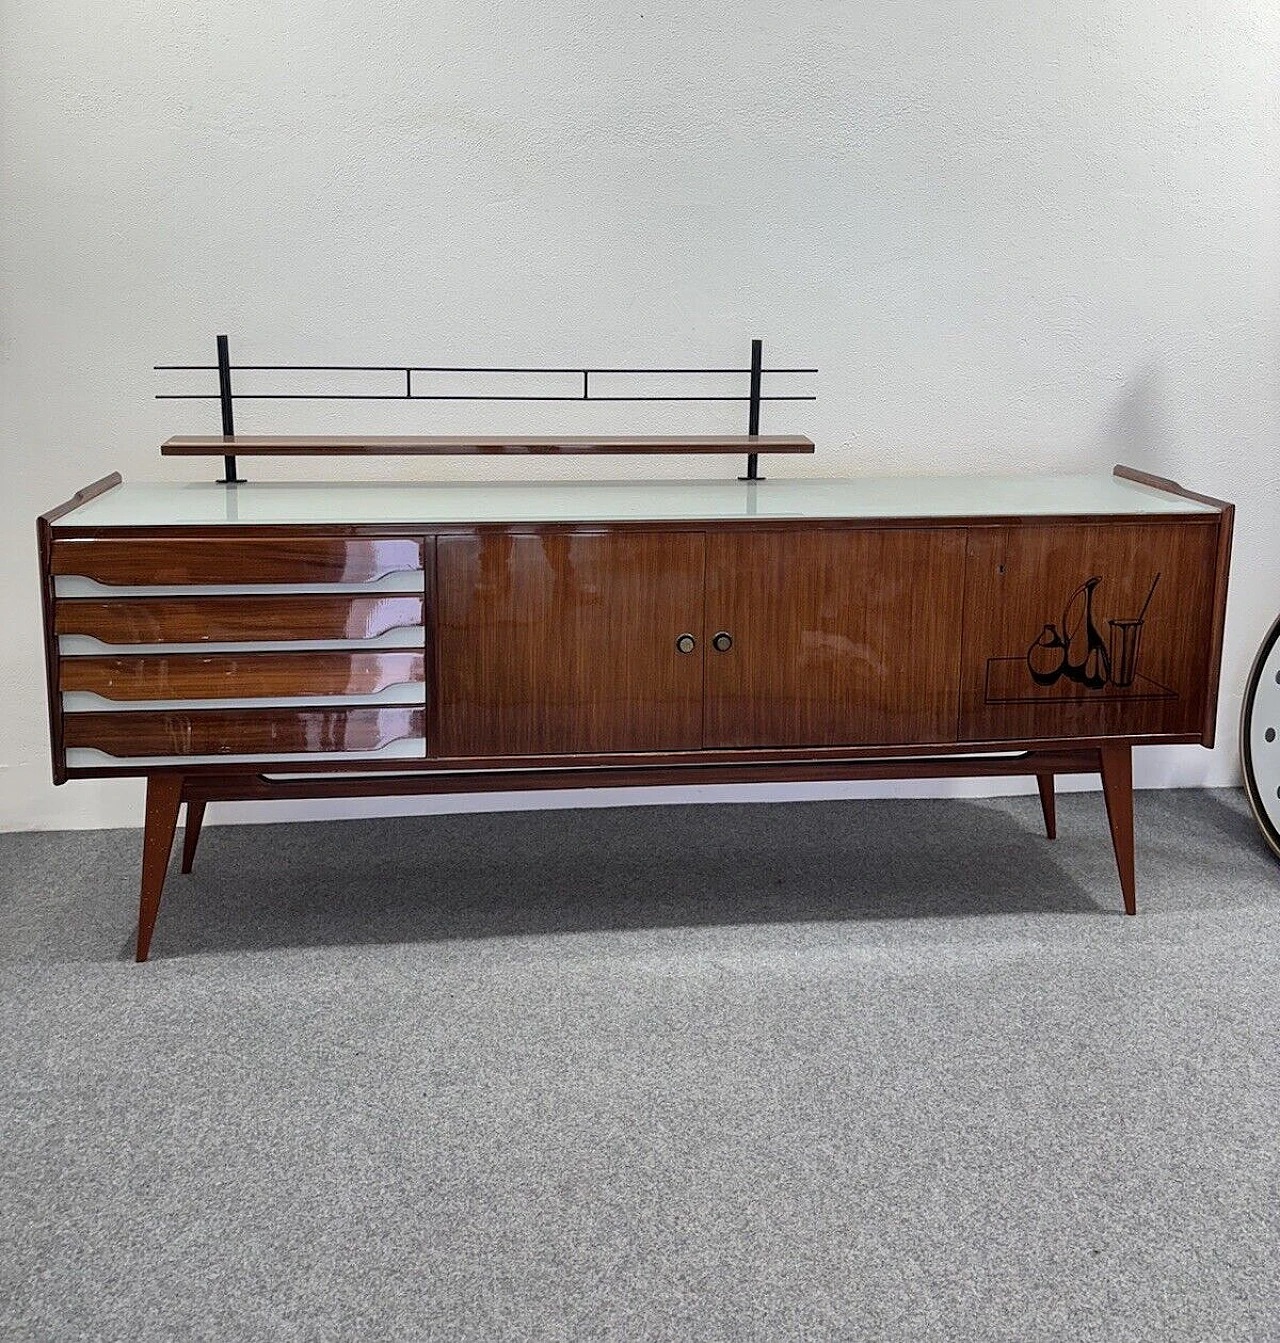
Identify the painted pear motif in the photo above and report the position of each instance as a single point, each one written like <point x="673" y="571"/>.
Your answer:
<point x="1047" y="656"/>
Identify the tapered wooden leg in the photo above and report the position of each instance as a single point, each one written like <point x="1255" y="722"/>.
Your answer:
<point x="164" y="797"/>
<point x="191" y="833"/>
<point x="1117" y="788"/>
<point x="1047" y="805"/>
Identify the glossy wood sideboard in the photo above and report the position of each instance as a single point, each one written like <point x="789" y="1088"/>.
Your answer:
<point x="241" y="645"/>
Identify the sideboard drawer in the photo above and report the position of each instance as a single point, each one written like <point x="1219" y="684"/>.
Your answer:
<point x="152" y="561"/>
<point x="208" y="647"/>
<point x="243" y="732"/>
<point x="240" y="619"/>
<point x="170" y="676"/>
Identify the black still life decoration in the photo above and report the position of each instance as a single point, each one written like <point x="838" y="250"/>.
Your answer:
<point x="1076" y="649"/>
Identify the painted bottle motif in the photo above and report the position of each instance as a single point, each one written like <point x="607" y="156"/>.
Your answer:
<point x="1087" y="659"/>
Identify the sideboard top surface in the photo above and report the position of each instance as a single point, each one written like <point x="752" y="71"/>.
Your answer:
<point x="269" y="503"/>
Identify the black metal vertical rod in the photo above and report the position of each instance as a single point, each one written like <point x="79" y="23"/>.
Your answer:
<point x="753" y="413"/>
<point x="228" y="416"/>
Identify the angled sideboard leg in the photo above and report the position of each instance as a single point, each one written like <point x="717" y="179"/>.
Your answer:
<point x="164" y="797"/>
<point x="191" y="833"/>
<point x="1047" y="805"/>
<point x="1117" y="788"/>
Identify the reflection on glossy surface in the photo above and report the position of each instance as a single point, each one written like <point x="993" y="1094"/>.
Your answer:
<point x="131" y="561"/>
<point x="242" y="732"/>
<point x="142" y="620"/>
<point x="407" y="580"/>
<point x="840" y="636"/>
<point x="86" y="701"/>
<point x="228" y="675"/>
<point x="407" y="748"/>
<point x="566" y="642"/>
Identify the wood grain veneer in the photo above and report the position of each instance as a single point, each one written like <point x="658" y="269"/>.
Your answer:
<point x="164" y="797"/>
<point x="567" y="642"/>
<point x="421" y="445"/>
<point x="212" y="559"/>
<point x="1116" y="762"/>
<point x="1226" y="528"/>
<point x="837" y="637"/>
<point x="164" y="676"/>
<point x="1217" y="631"/>
<point x="1020" y="584"/>
<point x="242" y="731"/>
<point x="186" y="620"/>
<point x="1226" y="525"/>
<point x="191" y="832"/>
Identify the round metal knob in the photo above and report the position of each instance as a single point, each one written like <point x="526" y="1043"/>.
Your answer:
<point x="686" y="643"/>
<point x="722" y="642"/>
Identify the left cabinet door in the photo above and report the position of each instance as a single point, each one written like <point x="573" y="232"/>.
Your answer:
<point x="561" y="643"/>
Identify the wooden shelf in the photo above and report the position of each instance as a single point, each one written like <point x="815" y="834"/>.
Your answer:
<point x="431" y="445"/>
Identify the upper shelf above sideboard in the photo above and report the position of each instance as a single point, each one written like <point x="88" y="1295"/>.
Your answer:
<point x="433" y="445"/>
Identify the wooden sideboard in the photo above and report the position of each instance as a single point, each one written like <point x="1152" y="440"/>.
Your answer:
<point x="271" y="641"/>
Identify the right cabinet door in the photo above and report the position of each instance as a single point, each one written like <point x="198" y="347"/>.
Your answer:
<point x="835" y="637"/>
<point x="1076" y="629"/>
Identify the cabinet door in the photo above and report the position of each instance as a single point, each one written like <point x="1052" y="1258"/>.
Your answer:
<point x="1077" y="629"/>
<point x="838" y="637"/>
<point x="562" y="643"/>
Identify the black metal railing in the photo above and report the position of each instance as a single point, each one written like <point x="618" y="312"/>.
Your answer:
<point x="227" y="397"/>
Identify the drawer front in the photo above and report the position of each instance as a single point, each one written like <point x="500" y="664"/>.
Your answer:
<point x="150" y="561"/>
<point x="194" y="620"/>
<point x="200" y="649"/>
<point x="240" y="675"/>
<point x="256" y="732"/>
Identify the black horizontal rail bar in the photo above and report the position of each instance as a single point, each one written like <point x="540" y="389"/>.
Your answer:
<point x="444" y="396"/>
<point x="440" y="368"/>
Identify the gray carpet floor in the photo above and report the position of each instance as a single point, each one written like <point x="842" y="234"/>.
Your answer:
<point x="877" y="1070"/>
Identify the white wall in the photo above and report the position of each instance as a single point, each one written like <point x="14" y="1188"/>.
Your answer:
<point x="1013" y="236"/>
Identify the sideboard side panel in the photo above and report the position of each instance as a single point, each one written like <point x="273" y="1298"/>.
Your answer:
<point x="57" y="747"/>
<point x="1088" y="629"/>
<point x="1226" y="526"/>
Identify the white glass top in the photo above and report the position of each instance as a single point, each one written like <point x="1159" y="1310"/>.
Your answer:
<point x="209" y="504"/>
